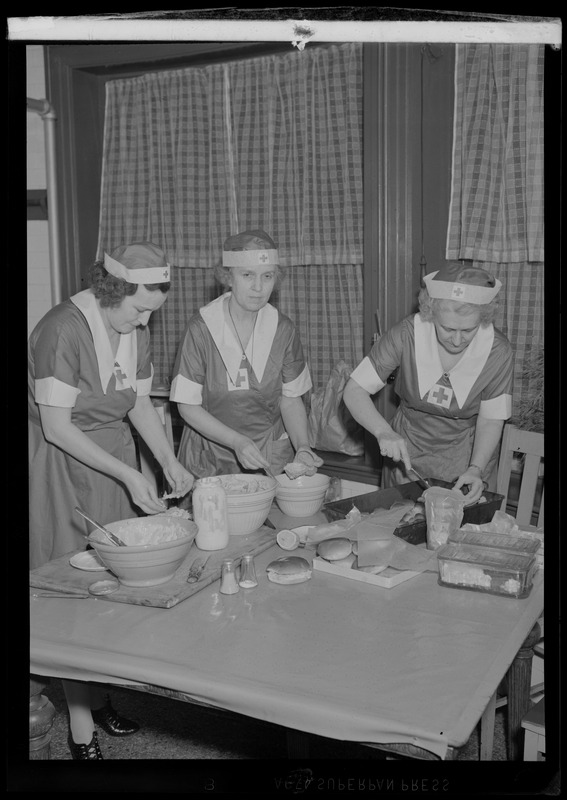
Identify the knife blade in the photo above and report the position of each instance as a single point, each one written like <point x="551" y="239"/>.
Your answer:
<point x="420" y="479"/>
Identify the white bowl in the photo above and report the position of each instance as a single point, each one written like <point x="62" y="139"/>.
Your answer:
<point x="299" y="507"/>
<point x="306" y="494"/>
<point x="247" y="510"/>
<point x="303" y="483"/>
<point x="303" y="496"/>
<point x="145" y="564"/>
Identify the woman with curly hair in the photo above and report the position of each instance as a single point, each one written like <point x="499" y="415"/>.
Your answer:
<point x="89" y="369"/>
<point x="454" y="383"/>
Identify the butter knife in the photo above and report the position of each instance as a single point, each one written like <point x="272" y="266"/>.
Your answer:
<point x="196" y="569"/>
<point x="74" y="595"/>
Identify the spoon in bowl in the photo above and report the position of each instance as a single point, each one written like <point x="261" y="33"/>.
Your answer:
<point x="111" y="536"/>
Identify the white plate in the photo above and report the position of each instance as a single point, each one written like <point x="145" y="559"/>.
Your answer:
<point x="88" y="560"/>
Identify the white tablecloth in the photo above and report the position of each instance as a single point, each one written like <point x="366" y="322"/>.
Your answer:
<point x="338" y="658"/>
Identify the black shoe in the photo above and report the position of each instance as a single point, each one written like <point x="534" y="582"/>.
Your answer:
<point x="85" y="752"/>
<point x="111" y="722"/>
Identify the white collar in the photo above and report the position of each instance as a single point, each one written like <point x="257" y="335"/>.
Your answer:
<point x="258" y="347"/>
<point x="127" y="353"/>
<point x="464" y="373"/>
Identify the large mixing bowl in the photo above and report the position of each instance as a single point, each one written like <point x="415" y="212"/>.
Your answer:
<point x="155" y="548"/>
<point x="303" y="496"/>
<point x="249" y="500"/>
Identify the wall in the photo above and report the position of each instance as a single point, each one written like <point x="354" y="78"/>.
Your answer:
<point x="38" y="283"/>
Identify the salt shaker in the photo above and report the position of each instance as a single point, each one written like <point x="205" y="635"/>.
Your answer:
<point x="228" y="578"/>
<point x="247" y="573"/>
<point x="210" y="514"/>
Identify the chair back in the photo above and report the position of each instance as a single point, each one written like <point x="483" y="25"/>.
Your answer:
<point x="530" y="444"/>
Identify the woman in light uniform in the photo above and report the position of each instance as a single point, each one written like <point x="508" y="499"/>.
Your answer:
<point x="89" y="368"/>
<point x="454" y="383"/>
<point x="240" y="374"/>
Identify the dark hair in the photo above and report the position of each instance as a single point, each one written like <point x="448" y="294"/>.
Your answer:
<point x="111" y="291"/>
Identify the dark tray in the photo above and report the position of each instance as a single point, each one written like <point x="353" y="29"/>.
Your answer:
<point x="416" y="532"/>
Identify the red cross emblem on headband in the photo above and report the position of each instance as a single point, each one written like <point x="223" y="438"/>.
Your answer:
<point x="166" y="274"/>
<point x="457" y="291"/>
<point x="263" y="258"/>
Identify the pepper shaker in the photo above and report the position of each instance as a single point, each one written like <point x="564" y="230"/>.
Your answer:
<point x="248" y="578"/>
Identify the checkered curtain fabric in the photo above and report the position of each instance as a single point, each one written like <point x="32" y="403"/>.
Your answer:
<point x="193" y="155"/>
<point x="496" y="214"/>
<point x="497" y="184"/>
<point x="520" y="317"/>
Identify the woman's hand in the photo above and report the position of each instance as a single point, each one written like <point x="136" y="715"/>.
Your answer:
<point x="309" y="459"/>
<point x="473" y="480"/>
<point x="249" y="455"/>
<point x="143" y="493"/>
<point x="180" y="480"/>
<point x="394" y="446"/>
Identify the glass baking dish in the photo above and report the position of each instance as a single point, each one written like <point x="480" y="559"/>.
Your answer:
<point x="511" y="543"/>
<point x="484" y="569"/>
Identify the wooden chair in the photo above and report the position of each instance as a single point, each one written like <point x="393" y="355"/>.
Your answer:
<point x="530" y="444"/>
<point x="534" y="727"/>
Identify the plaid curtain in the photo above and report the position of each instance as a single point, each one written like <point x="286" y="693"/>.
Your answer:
<point x="497" y="189"/>
<point x="520" y="317"/>
<point x="496" y="213"/>
<point x="193" y="155"/>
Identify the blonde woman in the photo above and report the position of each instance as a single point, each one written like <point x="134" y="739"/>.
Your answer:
<point x="454" y="383"/>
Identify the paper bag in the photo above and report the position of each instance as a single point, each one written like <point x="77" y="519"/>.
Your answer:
<point x="331" y="425"/>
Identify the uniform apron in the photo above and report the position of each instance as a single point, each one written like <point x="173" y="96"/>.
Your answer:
<point x="438" y="410"/>
<point x="243" y="391"/>
<point x="64" y="370"/>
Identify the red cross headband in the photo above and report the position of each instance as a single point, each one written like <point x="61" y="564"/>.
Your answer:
<point x="142" y="262"/>
<point x="463" y="290"/>
<point x="249" y="258"/>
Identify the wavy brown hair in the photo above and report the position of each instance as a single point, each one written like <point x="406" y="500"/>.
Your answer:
<point x="111" y="291"/>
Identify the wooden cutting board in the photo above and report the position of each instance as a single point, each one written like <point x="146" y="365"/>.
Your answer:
<point x="58" y="575"/>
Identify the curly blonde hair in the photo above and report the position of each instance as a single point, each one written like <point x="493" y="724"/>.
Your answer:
<point x="429" y="307"/>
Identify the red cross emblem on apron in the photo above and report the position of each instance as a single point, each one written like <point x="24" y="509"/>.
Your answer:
<point x="241" y="380"/>
<point x="440" y="396"/>
<point x="122" y="381"/>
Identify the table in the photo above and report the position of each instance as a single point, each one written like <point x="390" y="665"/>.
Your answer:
<point x="416" y="665"/>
